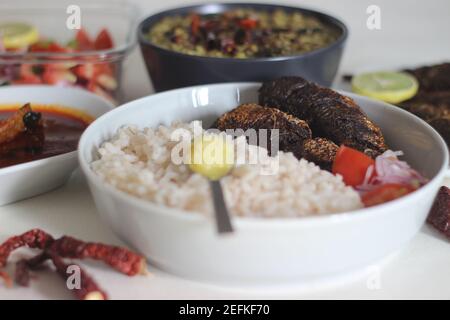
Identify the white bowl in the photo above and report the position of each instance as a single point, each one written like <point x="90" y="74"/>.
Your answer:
<point x="262" y="250"/>
<point x="32" y="178"/>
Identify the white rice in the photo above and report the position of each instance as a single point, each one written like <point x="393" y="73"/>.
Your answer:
<point x="139" y="163"/>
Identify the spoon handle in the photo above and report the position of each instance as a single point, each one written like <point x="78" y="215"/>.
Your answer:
<point x="222" y="215"/>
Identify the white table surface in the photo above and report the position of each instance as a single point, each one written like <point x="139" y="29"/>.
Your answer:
<point x="413" y="33"/>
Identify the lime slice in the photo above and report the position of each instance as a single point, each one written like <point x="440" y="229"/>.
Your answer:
<point x="18" y="35"/>
<point x="392" y="87"/>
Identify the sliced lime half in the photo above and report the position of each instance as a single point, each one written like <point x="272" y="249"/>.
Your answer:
<point x="392" y="87"/>
<point x="16" y="35"/>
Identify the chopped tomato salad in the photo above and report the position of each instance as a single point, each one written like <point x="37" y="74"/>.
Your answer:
<point x="378" y="180"/>
<point x="95" y="76"/>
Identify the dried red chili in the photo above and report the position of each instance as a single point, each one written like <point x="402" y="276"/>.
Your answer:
<point x="89" y="290"/>
<point x="6" y="279"/>
<point x="22" y="273"/>
<point x="121" y="259"/>
<point x="34" y="238"/>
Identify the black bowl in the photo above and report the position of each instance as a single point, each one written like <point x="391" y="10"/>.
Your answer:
<point x="169" y="69"/>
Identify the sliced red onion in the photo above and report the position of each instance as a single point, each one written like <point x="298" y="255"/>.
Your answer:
<point x="389" y="169"/>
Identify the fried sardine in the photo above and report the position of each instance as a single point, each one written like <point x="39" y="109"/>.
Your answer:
<point x="294" y="134"/>
<point x="292" y="131"/>
<point x="329" y="114"/>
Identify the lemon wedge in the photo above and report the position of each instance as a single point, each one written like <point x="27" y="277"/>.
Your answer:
<point x="18" y="35"/>
<point x="391" y="87"/>
<point x="212" y="156"/>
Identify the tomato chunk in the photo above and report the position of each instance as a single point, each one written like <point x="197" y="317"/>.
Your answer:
<point x="352" y="165"/>
<point x="83" y="40"/>
<point x="54" y="47"/>
<point x="103" y="41"/>
<point x="385" y="193"/>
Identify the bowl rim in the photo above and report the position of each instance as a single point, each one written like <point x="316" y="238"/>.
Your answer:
<point x="179" y="214"/>
<point x="107" y="55"/>
<point x="336" y="22"/>
<point x="106" y="106"/>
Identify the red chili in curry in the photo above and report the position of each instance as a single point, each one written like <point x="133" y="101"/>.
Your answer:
<point x="36" y="132"/>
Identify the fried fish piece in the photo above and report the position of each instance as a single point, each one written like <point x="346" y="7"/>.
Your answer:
<point x="442" y="125"/>
<point x="22" y="120"/>
<point x="429" y="105"/>
<point x="14" y="125"/>
<point x="329" y="114"/>
<point x="432" y="78"/>
<point x="23" y="132"/>
<point x="292" y="131"/>
<point x="321" y="151"/>
<point x="439" y="216"/>
<point x="294" y="134"/>
<point x="432" y="102"/>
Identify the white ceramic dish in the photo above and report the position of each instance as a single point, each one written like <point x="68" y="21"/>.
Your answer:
<point x="263" y="250"/>
<point x="36" y="177"/>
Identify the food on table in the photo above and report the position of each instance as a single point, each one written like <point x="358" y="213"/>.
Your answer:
<point x="432" y="102"/>
<point x="292" y="131"/>
<point x="243" y="33"/>
<point x="321" y="151"/>
<point x="212" y="156"/>
<point x="294" y="134"/>
<point x="439" y="216"/>
<point x="388" y="168"/>
<point x="352" y="165"/>
<point x="93" y="73"/>
<point x="385" y="193"/>
<point x="392" y="87"/>
<point x="140" y="162"/>
<point x="381" y="180"/>
<point x="121" y="259"/>
<point x="89" y="289"/>
<point x="6" y="279"/>
<point x="442" y="125"/>
<point x="35" y="132"/>
<point x="329" y="114"/>
<point x="432" y="79"/>
<point x="24" y="120"/>
<point x="17" y="35"/>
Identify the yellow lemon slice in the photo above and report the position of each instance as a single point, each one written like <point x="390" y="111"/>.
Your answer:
<point x="392" y="87"/>
<point x="18" y="35"/>
<point x="212" y="156"/>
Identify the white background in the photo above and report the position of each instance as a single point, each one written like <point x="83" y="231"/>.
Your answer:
<point x="413" y="33"/>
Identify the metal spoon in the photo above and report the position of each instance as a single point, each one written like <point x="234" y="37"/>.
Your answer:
<point x="223" y="221"/>
<point x="206" y="148"/>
